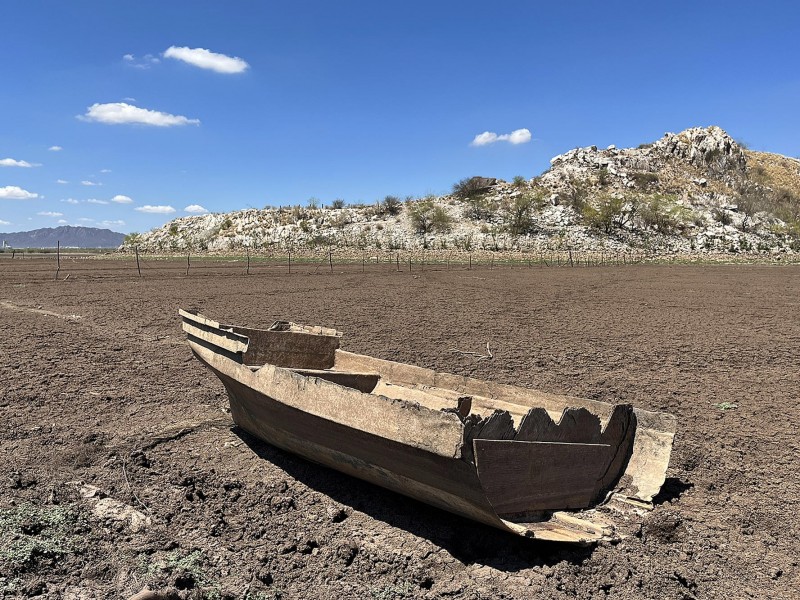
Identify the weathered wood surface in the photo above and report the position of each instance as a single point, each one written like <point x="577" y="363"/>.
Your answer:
<point x="524" y="477"/>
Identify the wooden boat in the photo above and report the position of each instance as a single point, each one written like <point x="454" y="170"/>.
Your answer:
<point x="531" y="463"/>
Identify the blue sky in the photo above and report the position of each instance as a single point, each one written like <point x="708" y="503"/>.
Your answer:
<point x="357" y="100"/>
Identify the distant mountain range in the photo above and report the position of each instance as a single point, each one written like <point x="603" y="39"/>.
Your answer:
<point x="68" y="236"/>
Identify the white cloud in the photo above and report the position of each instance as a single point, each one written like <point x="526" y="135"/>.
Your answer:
<point x="119" y="113"/>
<point x="55" y="148"/>
<point x="96" y="201"/>
<point x="50" y="213"/>
<point x="62" y="221"/>
<point x="62" y="181"/>
<point x="195" y="208"/>
<point x="105" y="170"/>
<point x="12" y="192"/>
<point x="145" y="62"/>
<point x="205" y="59"/>
<point x="71" y="201"/>
<point x="117" y="223"/>
<point x="120" y="199"/>
<point x="518" y="136"/>
<point x="158" y="210"/>
<point x="10" y="162"/>
<point x="85" y="220"/>
<point x="5" y="222"/>
<point x="90" y="183"/>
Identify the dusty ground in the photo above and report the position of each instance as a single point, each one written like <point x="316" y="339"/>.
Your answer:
<point x="97" y="386"/>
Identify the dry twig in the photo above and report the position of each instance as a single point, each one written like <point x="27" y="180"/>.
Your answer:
<point x="477" y="355"/>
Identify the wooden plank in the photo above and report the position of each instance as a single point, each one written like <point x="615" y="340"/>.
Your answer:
<point x="521" y="477"/>
<point x="290" y="348"/>
<point x="577" y="425"/>
<point x="218" y="337"/>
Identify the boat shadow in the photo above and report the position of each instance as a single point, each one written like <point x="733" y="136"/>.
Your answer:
<point x="467" y="541"/>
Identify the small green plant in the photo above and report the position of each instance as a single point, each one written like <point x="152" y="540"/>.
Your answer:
<point x="603" y="177"/>
<point x="722" y="216"/>
<point x="29" y="533"/>
<point x="644" y="179"/>
<point x="132" y="238"/>
<point x="393" y="592"/>
<point x="337" y="204"/>
<point x="226" y="224"/>
<point x="519" y="181"/>
<point x="173" y="230"/>
<point x="726" y="405"/>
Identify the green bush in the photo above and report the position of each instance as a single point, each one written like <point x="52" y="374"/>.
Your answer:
<point x="480" y="208"/>
<point x="337" y="204"/>
<point x="575" y="195"/>
<point x="607" y="214"/>
<point x="661" y="213"/>
<point x="428" y="217"/>
<point x="518" y="213"/>
<point x="643" y="179"/>
<point x="470" y="186"/>
<point x="519" y="181"/>
<point x="392" y="205"/>
<point x="722" y="216"/>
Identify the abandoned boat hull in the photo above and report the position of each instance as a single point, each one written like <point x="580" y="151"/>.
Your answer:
<point x="441" y="457"/>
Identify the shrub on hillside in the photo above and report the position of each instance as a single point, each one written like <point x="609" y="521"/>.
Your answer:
<point x="428" y="217"/>
<point x="392" y="205"/>
<point x="471" y="186"/>
<point x="337" y="204"/>
<point x="644" y="179"/>
<point x="480" y="208"/>
<point x="518" y="213"/>
<point x="661" y="213"/>
<point x="575" y="195"/>
<point x="608" y="213"/>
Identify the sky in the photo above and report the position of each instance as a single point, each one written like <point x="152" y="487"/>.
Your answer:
<point x="126" y="115"/>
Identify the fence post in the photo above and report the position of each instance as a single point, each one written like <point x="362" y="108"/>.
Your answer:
<point x="571" y="264"/>
<point x="187" y="265"/>
<point x="58" y="257"/>
<point x="248" y="261"/>
<point x="138" y="267"/>
<point x="290" y="261"/>
<point x="330" y="259"/>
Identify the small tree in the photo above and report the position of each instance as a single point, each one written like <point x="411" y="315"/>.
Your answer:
<point x="608" y="213"/>
<point x="428" y="217"/>
<point x="479" y="208"/>
<point x="392" y="205"/>
<point x="575" y="195"/>
<point x="471" y="186"/>
<point x="519" y="181"/>
<point x="518" y="213"/>
<point x="337" y="204"/>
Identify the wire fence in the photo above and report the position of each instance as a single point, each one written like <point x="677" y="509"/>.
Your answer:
<point x="65" y="265"/>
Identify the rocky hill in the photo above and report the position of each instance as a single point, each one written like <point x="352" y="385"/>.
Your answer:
<point x="691" y="192"/>
<point x="68" y="236"/>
